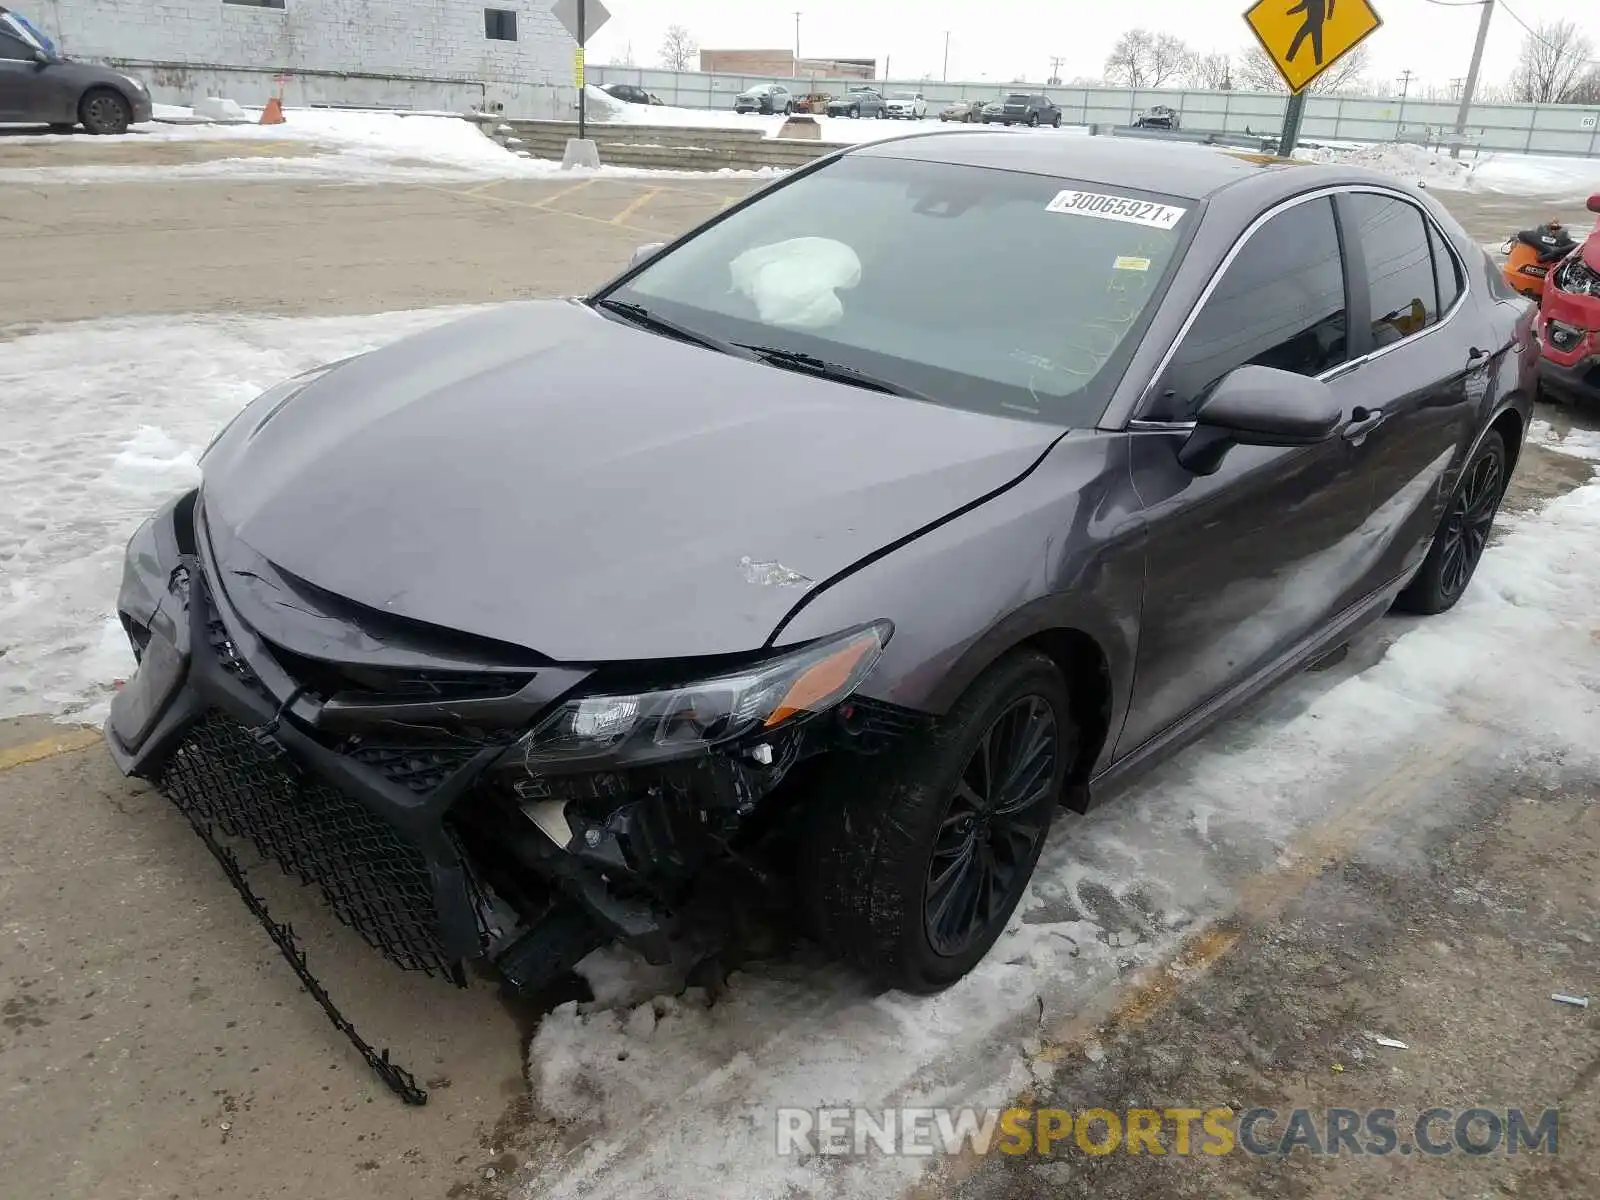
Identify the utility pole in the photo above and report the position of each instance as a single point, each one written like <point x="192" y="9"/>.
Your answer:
<point x="1472" y="76"/>
<point x="797" y="45"/>
<point x="1405" y="86"/>
<point x="946" y="76"/>
<point x="1055" y="70"/>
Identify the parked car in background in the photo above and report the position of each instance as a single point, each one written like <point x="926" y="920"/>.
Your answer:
<point x="1024" y="108"/>
<point x="629" y="93"/>
<point x="910" y="105"/>
<point x="1159" y="116"/>
<point x="764" y="98"/>
<point x="39" y="86"/>
<point x="857" y="102"/>
<point x="963" y="110"/>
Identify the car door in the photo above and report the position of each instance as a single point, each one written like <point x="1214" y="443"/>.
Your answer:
<point x="1426" y="369"/>
<point x="21" y="89"/>
<point x="1244" y="565"/>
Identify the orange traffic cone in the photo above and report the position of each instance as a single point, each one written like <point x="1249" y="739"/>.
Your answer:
<point x="273" y="113"/>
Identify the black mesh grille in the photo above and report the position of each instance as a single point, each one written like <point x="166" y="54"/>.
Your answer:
<point x="417" y="768"/>
<point x="374" y="878"/>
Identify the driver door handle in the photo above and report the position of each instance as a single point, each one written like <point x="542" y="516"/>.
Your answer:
<point x="1477" y="358"/>
<point x="1362" y="422"/>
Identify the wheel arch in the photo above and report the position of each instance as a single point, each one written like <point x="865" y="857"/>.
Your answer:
<point x="1509" y="424"/>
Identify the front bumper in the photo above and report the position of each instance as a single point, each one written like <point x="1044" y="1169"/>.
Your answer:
<point x="364" y="826"/>
<point x="143" y="108"/>
<point x="398" y="810"/>
<point x="1568" y="363"/>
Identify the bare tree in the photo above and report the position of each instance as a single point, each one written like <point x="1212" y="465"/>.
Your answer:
<point x="1554" y="60"/>
<point x="1213" y="71"/>
<point x="1141" y="59"/>
<point x="678" y="48"/>
<point x="1587" y="89"/>
<point x="1258" y="73"/>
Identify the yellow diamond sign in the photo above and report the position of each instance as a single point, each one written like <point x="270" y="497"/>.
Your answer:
<point x="1306" y="37"/>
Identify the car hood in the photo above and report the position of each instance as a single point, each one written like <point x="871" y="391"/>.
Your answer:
<point x="546" y="477"/>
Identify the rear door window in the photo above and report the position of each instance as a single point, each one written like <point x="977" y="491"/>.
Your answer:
<point x="1400" y="278"/>
<point x="1280" y="303"/>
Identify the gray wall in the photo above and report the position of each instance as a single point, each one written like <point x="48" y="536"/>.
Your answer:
<point x="1533" y="128"/>
<point x="393" y="53"/>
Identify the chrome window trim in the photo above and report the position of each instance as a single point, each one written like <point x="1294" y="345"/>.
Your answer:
<point x="1239" y="244"/>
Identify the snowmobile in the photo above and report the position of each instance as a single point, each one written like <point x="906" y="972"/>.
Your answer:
<point x="1532" y="252"/>
<point x="1569" y="320"/>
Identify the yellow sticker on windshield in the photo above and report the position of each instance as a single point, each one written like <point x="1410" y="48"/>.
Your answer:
<point x="1127" y="262"/>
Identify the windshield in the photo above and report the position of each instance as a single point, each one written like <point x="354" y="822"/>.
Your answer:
<point x="902" y="96"/>
<point x="871" y="264"/>
<point x="1018" y="98"/>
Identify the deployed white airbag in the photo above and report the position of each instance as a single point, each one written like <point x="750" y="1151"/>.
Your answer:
<point x="796" y="282"/>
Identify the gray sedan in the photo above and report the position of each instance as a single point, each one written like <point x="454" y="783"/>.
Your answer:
<point x="38" y="86"/>
<point x="766" y="576"/>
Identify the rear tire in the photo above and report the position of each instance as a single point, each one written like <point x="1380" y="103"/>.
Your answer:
<point x="914" y="861"/>
<point x="1033" y="120"/>
<point x="104" y="112"/>
<point x="1463" y="533"/>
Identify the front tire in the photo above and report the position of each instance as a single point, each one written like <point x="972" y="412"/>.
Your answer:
<point x="854" y="113"/>
<point x="1463" y="533"/>
<point x="914" y="861"/>
<point x="104" y="112"/>
<point x="1033" y="120"/>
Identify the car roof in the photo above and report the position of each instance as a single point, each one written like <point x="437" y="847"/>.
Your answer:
<point x="1174" y="168"/>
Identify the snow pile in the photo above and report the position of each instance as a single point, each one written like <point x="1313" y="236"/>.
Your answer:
<point x="102" y="422"/>
<point x="1546" y="176"/>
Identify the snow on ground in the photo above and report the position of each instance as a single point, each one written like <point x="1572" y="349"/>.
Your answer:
<point x="1547" y="176"/>
<point x="340" y="144"/>
<point x="102" y="422"/>
<point x="665" y="1091"/>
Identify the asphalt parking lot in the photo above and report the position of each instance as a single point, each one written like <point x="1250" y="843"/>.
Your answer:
<point x="154" y="1045"/>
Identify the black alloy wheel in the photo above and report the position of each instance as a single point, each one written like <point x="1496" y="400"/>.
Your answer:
<point x="1462" y="534"/>
<point x="992" y="827"/>
<point x="1466" y="529"/>
<point x="913" y="860"/>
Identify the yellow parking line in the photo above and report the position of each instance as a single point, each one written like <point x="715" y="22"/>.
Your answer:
<point x="63" y="743"/>
<point x="644" y="198"/>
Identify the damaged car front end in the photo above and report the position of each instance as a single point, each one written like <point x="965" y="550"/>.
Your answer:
<point x="455" y="798"/>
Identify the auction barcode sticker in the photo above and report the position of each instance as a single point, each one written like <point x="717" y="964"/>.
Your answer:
<point x="1116" y="208"/>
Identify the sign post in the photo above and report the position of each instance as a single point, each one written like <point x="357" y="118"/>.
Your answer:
<point x="1304" y="40"/>
<point x="580" y="18"/>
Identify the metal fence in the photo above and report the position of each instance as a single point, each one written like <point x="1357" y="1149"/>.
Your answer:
<point x="1526" y="128"/>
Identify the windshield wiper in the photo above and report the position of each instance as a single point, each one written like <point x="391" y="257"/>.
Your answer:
<point x="810" y="364"/>
<point x="639" y="315"/>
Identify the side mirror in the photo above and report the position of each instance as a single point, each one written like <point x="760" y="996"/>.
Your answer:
<point x="1260" y="406"/>
<point x="42" y="58"/>
<point x="644" y="252"/>
<point x="1594" y="203"/>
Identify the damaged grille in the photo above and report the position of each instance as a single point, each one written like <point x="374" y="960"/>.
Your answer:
<point x="419" y="769"/>
<point x="222" y="646"/>
<point x="374" y="878"/>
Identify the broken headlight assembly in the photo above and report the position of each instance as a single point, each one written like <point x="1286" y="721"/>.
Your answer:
<point x="626" y="730"/>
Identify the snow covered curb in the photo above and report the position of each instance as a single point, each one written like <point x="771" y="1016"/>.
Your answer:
<point x="1546" y="176"/>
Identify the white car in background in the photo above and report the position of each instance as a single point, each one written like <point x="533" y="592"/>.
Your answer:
<point x="910" y="105"/>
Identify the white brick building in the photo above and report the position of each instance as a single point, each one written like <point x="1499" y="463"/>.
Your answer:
<point x="450" y="54"/>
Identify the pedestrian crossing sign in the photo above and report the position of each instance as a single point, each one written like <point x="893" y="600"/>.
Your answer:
<point x="1306" y="37"/>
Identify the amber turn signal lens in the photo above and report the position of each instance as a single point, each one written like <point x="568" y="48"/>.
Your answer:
<point x="824" y="683"/>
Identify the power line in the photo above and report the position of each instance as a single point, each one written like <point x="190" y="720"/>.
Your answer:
<point x="1588" y="62"/>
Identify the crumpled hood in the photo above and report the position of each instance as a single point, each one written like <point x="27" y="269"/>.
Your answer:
<point x="547" y="477"/>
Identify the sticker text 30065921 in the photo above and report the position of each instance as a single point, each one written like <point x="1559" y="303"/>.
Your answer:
<point x="1116" y="208"/>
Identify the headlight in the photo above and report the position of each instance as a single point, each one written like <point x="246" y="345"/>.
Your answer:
<point x="679" y="722"/>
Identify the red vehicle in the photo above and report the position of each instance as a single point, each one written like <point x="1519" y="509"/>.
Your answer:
<point x="1569" y="320"/>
